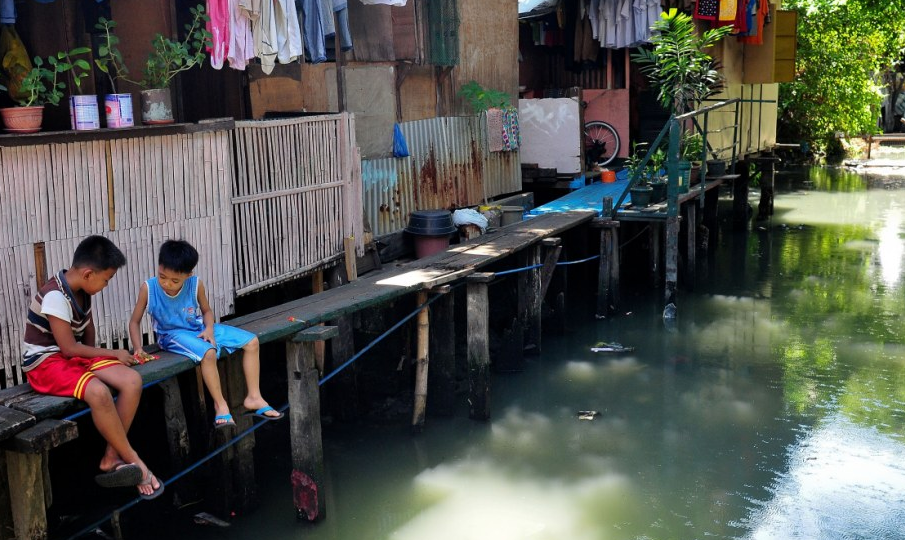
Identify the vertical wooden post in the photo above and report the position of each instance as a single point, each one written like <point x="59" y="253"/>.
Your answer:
<point x="478" y="320"/>
<point x="343" y="392"/>
<point x="27" y="495"/>
<point x="441" y="384"/>
<point x="711" y="217"/>
<point x="529" y="286"/>
<point x="305" y="417"/>
<point x="317" y="286"/>
<point x="608" y="268"/>
<point x="691" y="221"/>
<point x="552" y="248"/>
<point x="421" y="363"/>
<point x="177" y="433"/>
<point x="656" y="234"/>
<point x="244" y="490"/>
<point x="765" y="206"/>
<point x="740" y="198"/>
<point x="672" y="220"/>
<point x="7" y="528"/>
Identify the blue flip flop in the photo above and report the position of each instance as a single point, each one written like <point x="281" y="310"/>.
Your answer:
<point x="227" y="420"/>
<point x="260" y="413"/>
<point x="122" y="475"/>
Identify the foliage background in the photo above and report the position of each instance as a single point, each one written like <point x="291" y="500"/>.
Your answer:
<point x="845" y="49"/>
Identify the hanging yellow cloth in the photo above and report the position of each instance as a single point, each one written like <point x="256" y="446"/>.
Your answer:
<point x="15" y="64"/>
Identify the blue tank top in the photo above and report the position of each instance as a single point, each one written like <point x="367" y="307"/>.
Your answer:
<point x="180" y="312"/>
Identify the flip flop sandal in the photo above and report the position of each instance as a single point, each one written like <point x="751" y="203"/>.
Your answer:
<point x="122" y="475"/>
<point x="154" y="494"/>
<point x="260" y="413"/>
<point x="223" y="420"/>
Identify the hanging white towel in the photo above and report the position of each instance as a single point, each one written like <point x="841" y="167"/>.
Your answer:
<point x="277" y="34"/>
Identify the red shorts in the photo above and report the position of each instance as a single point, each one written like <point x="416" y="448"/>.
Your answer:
<point x="61" y="376"/>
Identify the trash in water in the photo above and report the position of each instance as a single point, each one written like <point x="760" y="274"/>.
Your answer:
<point x="203" y="518"/>
<point x="610" y="347"/>
<point x="588" y="415"/>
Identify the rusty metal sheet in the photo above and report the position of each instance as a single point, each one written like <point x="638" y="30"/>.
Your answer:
<point x="449" y="166"/>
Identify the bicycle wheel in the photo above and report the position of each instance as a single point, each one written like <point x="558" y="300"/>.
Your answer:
<point x="601" y="142"/>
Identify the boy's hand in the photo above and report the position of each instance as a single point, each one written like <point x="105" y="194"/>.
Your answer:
<point x="124" y="357"/>
<point x="208" y="335"/>
<point x="144" y="357"/>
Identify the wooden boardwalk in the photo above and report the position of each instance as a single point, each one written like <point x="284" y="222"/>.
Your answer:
<point x="451" y="265"/>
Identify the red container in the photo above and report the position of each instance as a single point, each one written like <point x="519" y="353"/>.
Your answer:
<point x="426" y="246"/>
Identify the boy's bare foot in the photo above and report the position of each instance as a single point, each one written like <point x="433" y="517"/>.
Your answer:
<point x="150" y="487"/>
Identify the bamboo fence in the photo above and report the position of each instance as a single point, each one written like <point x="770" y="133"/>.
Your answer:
<point x="293" y="185"/>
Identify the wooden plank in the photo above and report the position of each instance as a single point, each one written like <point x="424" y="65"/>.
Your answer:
<point x="45" y="435"/>
<point x="13" y="421"/>
<point x="421" y="363"/>
<point x="530" y="298"/>
<point x="441" y="391"/>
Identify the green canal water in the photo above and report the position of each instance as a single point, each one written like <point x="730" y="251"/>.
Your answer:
<point x="775" y="409"/>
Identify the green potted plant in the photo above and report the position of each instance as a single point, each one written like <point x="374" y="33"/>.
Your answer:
<point x="41" y="86"/>
<point x="655" y="174"/>
<point x="83" y="113"/>
<point x="677" y="64"/>
<point x="109" y="61"/>
<point x="640" y="192"/>
<point x="690" y="155"/>
<point x="168" y="58"/>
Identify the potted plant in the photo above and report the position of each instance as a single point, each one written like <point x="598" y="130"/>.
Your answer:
<point x="40" y="87"/>
<point x="691" y="153"/>
<point x="677" y="65"/>
<point x="83" y="114"/>
<point x="655" y="174"/>
<point x="117" y="106"/>
<point x="168" y="58"/>
<point x="640" y="191"/>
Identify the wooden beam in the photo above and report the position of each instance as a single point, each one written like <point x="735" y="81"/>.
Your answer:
<point x="691" y="243"/>
<point x="45" y="435"/>
<point x="421" y="363"/>
<point x="552" y="249"/>
<point x="529" y="294"/>
<point x="26" y="481"/>
<point x="305" y="418"/>
<point x="441" y="382"/>
<point x="478" y="345"/>
<point x="177" y="432"/>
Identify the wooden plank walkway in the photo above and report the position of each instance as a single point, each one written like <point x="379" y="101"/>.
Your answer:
<point x="451" y="265"/>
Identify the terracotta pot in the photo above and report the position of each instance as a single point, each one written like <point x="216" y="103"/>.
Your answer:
<point x="156" y="106"/>
<point x="22" y="119"/>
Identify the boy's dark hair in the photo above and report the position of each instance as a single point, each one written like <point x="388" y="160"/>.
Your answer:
<point x="178" y="256"/>
<point x="99" y="254"/>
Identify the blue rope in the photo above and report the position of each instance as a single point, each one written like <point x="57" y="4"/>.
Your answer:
<point x="532" y="267"/>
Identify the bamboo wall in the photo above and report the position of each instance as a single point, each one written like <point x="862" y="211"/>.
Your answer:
<point x="262" y="203"/>
<point x="297" y="194"/>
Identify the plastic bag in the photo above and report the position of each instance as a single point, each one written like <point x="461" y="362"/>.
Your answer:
<point x="15" y="62"/>
<point x="400" y="147"/>
<point x="467" y="216"/>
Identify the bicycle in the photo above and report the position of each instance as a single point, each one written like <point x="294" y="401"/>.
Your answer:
<point x="601" y="143"/>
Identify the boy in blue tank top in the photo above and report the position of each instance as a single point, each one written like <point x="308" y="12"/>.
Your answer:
<point x="184" y="324"/>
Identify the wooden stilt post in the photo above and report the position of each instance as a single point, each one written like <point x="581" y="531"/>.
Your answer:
<point x="317" y="286"/>
<point x="421" y="364"/>
<point x="478" y="345"/>
<point x="529" y="286"/>
<point x="343" y="391"/>
<point x="711" y="218"/>
<point x="177" y="434"/>
<point x="672" y="218"/>
<point x="765" y="207"/>
<point x="740" y="198"/>
<point x="691" y="226"/>
<point x="608" y="268"/>
<point x="27" y="495"/>
<point x="656" y="234"/>
<point x="552" y="248"/>
<point x="244" y="490"/>
<point x="441" y="383"/>
<point x="305" y="421"/>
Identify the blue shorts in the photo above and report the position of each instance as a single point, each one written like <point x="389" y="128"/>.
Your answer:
<point x="229" y="339"/>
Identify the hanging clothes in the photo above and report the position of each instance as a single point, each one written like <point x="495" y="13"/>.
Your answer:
<point x="277" y="34"/>
<point x="756" y="33"/>
<point x="241" y="47"/>
<point x="314" y="31"/>
<point x="7" y="12"/>
<point x="218" y="24"/>
<point x="707" y="10"/>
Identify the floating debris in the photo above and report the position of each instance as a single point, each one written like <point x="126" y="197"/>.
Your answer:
<point x="611" y="347"/>
<point x="203" y="518"/>
<point x="588" y="415"/>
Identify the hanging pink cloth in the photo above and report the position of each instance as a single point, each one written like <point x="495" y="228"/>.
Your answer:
<point x="241" y="40"/>
<point x="218" y="26"/>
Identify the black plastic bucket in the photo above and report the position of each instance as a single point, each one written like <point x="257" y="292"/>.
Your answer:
<point x="431" y="223"/>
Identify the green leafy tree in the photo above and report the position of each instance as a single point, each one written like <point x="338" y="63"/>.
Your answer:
<point x="844" y="47"/>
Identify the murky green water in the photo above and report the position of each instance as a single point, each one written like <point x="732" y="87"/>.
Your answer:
<point x="775" y="411"/>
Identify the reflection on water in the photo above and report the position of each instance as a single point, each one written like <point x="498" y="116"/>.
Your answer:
<point x="777" y="410"/>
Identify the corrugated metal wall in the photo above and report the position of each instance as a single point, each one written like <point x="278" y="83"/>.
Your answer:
<point x="449" y="166"/>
